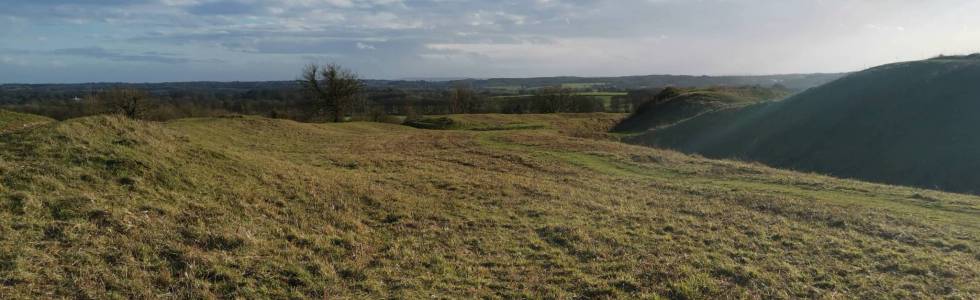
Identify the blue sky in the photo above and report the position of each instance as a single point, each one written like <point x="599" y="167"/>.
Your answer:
<point x="225" y="40"/>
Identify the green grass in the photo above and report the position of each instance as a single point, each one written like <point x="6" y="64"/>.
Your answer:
<point x="606" y="97"/>
<point x="105" y="207"/>
<point x="692" y="103"/>
<point x="591" y="94"/>
<point x="516" y="88"/>
<point x="506" y="88"/>
<point x="910" y="123"/>
<point x="512" y="96"/>
<point x="584" y="85"/>
<point x="583" y="125"/>
<point x="601" y="94"/>
<point x="12" y="121"/>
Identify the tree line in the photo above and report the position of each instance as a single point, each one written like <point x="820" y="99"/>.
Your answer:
<point x="329" y="93"/>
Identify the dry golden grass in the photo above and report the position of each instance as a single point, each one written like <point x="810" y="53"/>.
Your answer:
<point x="249" y="207"/>
<point x="11" y="121"/>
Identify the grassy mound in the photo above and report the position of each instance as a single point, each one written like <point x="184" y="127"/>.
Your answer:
<point x="688" y="104"/>
<point x="908" y="123"/>
<point x="105" y="207"/>
<point x="12" y="121"/>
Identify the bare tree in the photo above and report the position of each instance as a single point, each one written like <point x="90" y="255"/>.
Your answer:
<point x="463" y="99"/>
<point x="132" y="103"/>
<point x="334" y="87"/>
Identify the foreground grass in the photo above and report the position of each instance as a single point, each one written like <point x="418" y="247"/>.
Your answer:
<point x="249" y="207"/>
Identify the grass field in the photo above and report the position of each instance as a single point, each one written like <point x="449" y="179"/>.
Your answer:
<point x="506" y="88"/>
<point x="517" y="88"/>
<point x="592" y="94"/>
<point x="585" y="85"/>
<point x="602" y="94"/>
<point x="248" y="207"/>
<point x="605" y="96"/>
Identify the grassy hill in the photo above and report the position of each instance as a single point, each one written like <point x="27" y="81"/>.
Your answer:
<point x="691" y="103"/>
<point x="105" y="207"/>
<point x="11" y="121"/>
<point x="910" y="123"/>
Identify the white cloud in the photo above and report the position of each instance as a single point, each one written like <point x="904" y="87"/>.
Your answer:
<point x="506" y="37"/>
<point x="364" y="46"/>
<point x="8" y="60"/>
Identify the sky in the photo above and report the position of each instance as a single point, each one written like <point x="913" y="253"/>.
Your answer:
<point x="63" y="41"/>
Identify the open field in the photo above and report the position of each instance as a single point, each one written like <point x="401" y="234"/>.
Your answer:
<point x="592" y="94"/>
<point x="601" y="94"/>
<point x="506" y="88"/>
<point x="606" y="97"/>
<point x="584" y="85"/>
<point x="517" y="88"/>
<point x="105" y="207"/>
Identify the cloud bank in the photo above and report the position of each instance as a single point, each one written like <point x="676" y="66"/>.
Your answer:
<point x="171" y="40"/>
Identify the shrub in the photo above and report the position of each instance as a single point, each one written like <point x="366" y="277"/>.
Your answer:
<point x="432" y="123"/>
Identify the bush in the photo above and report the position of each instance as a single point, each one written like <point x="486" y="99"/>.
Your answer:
<point x="432" y="123"/>
<point x="378" y="114"/>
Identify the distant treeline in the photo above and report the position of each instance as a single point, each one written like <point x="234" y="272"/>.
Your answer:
<point x="289" y="100"/>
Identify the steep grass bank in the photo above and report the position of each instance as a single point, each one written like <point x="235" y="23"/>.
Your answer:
<point x="687" y="104"/>
<point x="911" y="123"/>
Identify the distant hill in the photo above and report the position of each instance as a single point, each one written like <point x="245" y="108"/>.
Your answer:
<point x="675" y="105"/>
<point x="913" y="123"/>
<point x="797" y="82"/>
<point x="11" y="93"/>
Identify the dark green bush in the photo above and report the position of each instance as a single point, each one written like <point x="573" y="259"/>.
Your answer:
<point x="432" y="123"/>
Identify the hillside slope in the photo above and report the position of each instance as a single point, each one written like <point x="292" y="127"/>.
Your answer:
<point x="11" y="121"/>
<point x="909" y="123"/>
<point x="691" y="103"/>
<point x="105" y="207"/>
